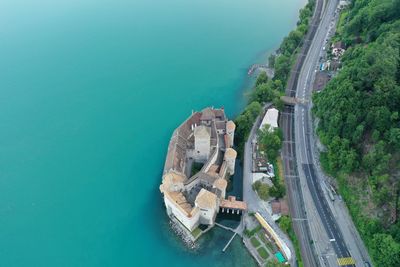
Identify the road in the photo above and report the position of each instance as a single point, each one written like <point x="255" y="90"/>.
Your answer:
<point x="254" y="203"/>
<point x="298" y="209"/>
<point x="326" y="230"/>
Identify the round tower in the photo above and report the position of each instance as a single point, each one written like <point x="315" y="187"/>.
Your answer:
<point x="230" y="131"/>
<point x="230" y="157"/>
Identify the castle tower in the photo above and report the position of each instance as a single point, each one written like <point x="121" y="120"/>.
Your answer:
<point x="230" y="157"/>
<point x="230" y="131"/>
<point x="202" y="139"/>
<point x="221" y="184"/>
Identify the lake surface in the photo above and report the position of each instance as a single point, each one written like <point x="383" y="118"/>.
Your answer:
<point x="90" y="92"/>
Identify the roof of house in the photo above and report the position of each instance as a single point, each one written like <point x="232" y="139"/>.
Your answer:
<point x="221" y="184"/>
<point x="169" y="179"/>
<point x="230" y="126"/>
<point x="270" y="118"/>
<point x="202" y="131"/>
<point x="205" y="199"/>
<point x="179" y="199"/>
<point x="280" y="207"/>
<point x="230" y="152"/>
<point x="220" y="125"/>
<point x="207" y="114"/>
<point x="276" y="207"/>
<point x="284" y="207"/>
<point x="232" y="203"/>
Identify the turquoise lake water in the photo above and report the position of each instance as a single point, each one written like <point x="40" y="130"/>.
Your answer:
<point x="90" y="92"/>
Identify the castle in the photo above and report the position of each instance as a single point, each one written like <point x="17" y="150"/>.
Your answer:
<point x="195" y="195"/>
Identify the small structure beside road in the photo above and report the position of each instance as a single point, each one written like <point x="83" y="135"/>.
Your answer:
<point x="338" y="49"/>
<point x="271" y="119"/>
<point x="279" y="208"/>
<point x="273" y="236"/>
<point x="343" y="4"/>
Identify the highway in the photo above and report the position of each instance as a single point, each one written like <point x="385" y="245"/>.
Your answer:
<point x="292" y="179"/>
<point x="314" y="219"/>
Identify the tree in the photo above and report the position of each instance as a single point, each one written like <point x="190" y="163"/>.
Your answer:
<point x="385" y="251"/>
<point x="282" y="67"/>
<point x="270" y="141"/>
<point x="262" y="78"/>
<point x="285" y="223"/>
<point x="271" y="60"/>
<point x="244" y="122"/>
<point x="359" y="122"/>
<point x="278" y="190"/>
<point x="262" y="190"/>
<point x="394" y="138"/>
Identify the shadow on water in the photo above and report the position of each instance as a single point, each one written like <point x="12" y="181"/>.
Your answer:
<point x="235" y="188"/>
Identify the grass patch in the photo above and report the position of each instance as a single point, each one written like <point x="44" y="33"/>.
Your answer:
<point x="262" y="252"/>
<point x="250" y="233"/>
<point x="254" y="241"/>
<point x="262" y="237"/>
<point x="267" y="243"/>
<point x="196" y="232"/>
<point x="279" y="164"/>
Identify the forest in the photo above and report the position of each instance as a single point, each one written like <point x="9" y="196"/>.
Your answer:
<point x="359" y="124"/>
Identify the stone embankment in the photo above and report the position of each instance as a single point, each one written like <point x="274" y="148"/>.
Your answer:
<point x="185" y="235"/>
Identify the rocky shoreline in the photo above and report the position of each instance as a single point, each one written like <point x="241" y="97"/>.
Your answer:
<point x="184" y="234"/>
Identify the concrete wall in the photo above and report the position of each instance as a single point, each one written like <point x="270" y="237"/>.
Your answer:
<point x="189" y="222"/>
<point x="207" y="216"/>
<point x="231" y="135"/>
<point x="230" y="164"/>
<point x="211" y="161"/>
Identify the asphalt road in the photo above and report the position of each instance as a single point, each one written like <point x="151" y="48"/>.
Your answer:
<point x="303" y="132"/>
<point x="308" y="173"/>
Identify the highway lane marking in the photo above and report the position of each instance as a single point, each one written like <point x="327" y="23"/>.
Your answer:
<point x="346" y="261"/>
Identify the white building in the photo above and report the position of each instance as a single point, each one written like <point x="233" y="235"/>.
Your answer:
<point x="271" y="119"/>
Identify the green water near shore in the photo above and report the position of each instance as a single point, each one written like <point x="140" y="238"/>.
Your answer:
<point x="90" y="94"/>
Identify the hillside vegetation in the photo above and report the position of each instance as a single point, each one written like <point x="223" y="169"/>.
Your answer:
<point x="359" y="123"/>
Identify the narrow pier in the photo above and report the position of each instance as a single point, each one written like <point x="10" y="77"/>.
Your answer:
<point x="225" y="227"/>
<point x="229" y="242"/>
